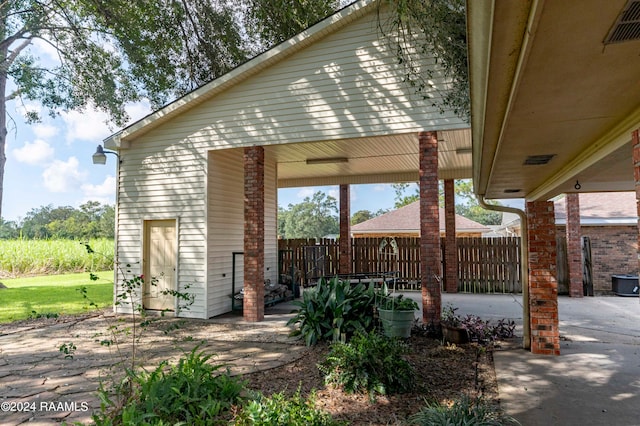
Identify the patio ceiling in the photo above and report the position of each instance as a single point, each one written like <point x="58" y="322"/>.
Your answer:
<point x="547" y="84"/>
<point x="377" y="159"/>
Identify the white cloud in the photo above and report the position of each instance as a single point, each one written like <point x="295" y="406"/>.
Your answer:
<point x="305" y="192"/>
<point x="36" y="152"/>
<point x="63" y="176"/>
<point x="44" y="131"/>
<point x="381" y="188"/>
<point x="105" y="190"/>
<point x="87" y="125"/>
<point x="334" y="192"/>
<point x="138" y="110"/>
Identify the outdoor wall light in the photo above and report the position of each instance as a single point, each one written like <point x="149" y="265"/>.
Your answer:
<point x="100" y="157"/>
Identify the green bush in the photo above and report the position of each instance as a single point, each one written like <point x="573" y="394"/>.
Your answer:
<point x="369" y="363"/>
<point x="333" y="310"/>
<point x="193" y="392"/>
<point x="282" y="411"/>
<point x="465" y="411"/>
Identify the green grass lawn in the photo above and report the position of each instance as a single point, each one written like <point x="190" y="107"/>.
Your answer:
<point x="53" y="294"/>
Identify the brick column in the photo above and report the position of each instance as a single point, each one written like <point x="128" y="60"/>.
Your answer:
<point x="429" y="228"/>
<point x="345" y="230"/>
<point x="253" y="305"/>
<point x="543" y="284"/>
<point x="450" y="249"/>
<point x="635" y="143"/>
<point x="574" y="251"/>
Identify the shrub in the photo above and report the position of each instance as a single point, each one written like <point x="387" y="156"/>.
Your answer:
<point x="465" y="411"/>
<point x="333" y="310"/>
<point x="369" y="363"/>
<point x="481" y="331"/>
<point x="192" y="391"/>
<point x="279" y="410"/>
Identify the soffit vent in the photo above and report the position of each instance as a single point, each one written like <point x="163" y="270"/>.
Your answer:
<point x="538" y="160"/>
<point x="627" y="26"/>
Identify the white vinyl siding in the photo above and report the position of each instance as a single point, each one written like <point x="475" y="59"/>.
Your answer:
<point x="226" y="226"/>
<point x="154" y="187"/>
<point x="346" y="85"/>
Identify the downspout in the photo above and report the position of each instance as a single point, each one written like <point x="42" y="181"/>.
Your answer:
<point x="524" y="270"/>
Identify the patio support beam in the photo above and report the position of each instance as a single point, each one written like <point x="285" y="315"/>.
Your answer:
<point x="543" y="284"/>
<point x="574" y="251"/>
<point x="253" y="305"/>
<point x="450" y="250"/>
<point x="429" y="228"/>
<point x="345" y="230"/>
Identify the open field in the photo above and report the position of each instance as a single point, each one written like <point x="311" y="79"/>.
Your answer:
<point x="53" y="295"/>
<point x="43" y="257"/>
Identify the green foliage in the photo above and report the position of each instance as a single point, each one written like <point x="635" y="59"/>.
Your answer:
<point x="279" y="410"/>
<point x="315" y="217"/>
<point x="465" y="411"/>
<point x="193" y="391"/>
<point x="364" y="215"/>
<point x="333" y="310"/>
<point x="438" y="28"/>
<point x="37" y="257"/>
<point x="90" y="221"/>
<point x="369" y="363"/>
<point x="68" y="349"/>
<point x="397" y="303"/>
<point x="274" y="21"/>
<point x="401" y="199"/>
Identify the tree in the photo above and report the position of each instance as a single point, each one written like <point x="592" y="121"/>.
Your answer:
<point x="401" y="199"/>
<point x="315" y="217"/>
<point x="439" y="28"/>
<point x="274" y="21"/>
<point x="111" y="53"/>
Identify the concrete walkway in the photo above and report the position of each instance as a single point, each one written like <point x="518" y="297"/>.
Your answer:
<point x="596" y="378"/>
<point x="38" y="386"/>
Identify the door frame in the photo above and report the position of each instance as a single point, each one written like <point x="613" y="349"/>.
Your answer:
<point x="144" y="264"/>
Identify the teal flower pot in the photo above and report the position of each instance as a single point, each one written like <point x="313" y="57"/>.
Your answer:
<point x="396" y="323"/>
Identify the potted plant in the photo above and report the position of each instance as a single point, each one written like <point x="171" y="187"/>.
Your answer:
<point x="396" y="314"/>
<point x="453" y="330"/>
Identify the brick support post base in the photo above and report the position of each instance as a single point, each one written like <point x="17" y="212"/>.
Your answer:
<point x="574" y="251"/>
<point x="253" y="305"/>
<point x="345" y="230"/>
<point x="429" y="228"/>
<point x="543" y="285"/>
<point x="450" y="250"/>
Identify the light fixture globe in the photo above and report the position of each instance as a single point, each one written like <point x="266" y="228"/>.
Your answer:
<point x="99" y="157"/>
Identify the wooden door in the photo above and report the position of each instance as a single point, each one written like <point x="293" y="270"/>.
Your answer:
<point x="159" y="264"/>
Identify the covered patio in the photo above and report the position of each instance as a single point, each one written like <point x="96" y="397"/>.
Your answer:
<point x="555" y="93"/>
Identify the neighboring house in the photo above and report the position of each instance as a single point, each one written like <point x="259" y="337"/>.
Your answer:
<point x="610" y="221"/>
<point x="198" y="179"/>
<point x="405" y="222"/>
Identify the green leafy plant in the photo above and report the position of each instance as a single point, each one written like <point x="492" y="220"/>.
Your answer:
<point x="193" y="392"/>
<point x="369" y="363"/>
<point x="397" y="303"/>
<point x="68" y="349"/>
<point x="465" y="411"/>
<point x="333" y="310"/>
<point x="280" y="410"/>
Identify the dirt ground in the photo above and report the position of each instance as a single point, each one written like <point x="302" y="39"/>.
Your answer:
<point x="443" y="373"/>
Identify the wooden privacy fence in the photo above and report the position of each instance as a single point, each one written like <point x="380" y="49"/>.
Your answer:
<point x="485" y="265"/>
